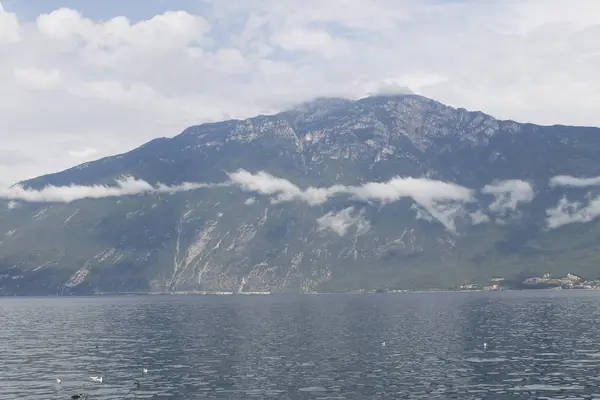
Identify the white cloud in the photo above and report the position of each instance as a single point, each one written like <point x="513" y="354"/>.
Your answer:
<point x="567" y="212"/>
<point x="66" y="194"/>
<point x="389" y="88"/>
<point x="9" y="28"/>
<point x="478" y="217"/>
<point x="173" y="29"/>
<point x="533" y="15"/>
<point x="282" y="189"/>
<point x="115" y="83"/>
<point x="310" y="40"/>
<point x="508" y="195"/>
<point x="343" y="220"/>
<point x="34" y="78"/>
<point x="421" y="213"/>
<point x="443" y="201"/>
<point x="570" y="181"/>
<point x="422" y="190"/>
<point x="83" y="153"/>
<point x="434" y="199"/>
<point x="445" y="212"/>
<point x="409" y="83"/>
<point x="126" y="186"/>
<point x="187" y="186"/>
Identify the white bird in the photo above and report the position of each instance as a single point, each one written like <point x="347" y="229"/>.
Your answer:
<point x="58" y="380"/>
<point x="382" y="344"/>
<point x="484" y="345"/>
<point x="145" y="371"/>
<point x="97" y="379"/>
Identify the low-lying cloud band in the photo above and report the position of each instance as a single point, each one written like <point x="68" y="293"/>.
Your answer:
<point x="440" y="201"/>
<point x="125" y="186"/>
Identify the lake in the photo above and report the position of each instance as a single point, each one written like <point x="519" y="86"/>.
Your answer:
<point x="540" y="344"/>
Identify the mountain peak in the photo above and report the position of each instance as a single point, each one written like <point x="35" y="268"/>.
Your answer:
<point x="332" y="194"/>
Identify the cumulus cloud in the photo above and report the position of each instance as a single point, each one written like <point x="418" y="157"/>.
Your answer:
<point x="125" y="186"/>
<point x="340" y="222"/>
<point x="9" y="28"/>
<point x="567" y="212"/>
<point x="508" y="195"/>
<point x="571" y="181"/>
<point x="114" y="82"/>
<point x="441" y="200"/>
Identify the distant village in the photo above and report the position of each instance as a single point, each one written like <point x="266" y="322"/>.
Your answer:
<point x="570" y="281"/>
<point x="546" y="281"/>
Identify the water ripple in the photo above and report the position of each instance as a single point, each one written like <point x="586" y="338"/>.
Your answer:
<point x="539" y="345"/>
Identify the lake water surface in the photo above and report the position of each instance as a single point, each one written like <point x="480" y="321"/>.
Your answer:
<point x="539" y="345"/>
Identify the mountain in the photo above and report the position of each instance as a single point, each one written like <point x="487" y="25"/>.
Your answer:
<point x="333" y="195"/>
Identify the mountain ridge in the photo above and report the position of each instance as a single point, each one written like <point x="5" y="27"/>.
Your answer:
<point x="387" y="191"/>
<point x="309" y="105"/>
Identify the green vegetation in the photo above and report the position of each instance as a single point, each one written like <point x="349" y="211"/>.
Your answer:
<point x="210" y="239"/>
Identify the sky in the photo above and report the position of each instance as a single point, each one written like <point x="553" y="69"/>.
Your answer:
<point x="83" y="79"/>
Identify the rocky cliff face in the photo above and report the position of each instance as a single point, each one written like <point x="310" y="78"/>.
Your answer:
<point x="397" y="191"/>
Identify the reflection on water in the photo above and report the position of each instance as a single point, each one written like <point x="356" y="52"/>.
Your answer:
<point x="540" y="345"/>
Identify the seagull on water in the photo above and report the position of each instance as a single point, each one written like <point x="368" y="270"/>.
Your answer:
<point x="145" y="371"/>
<point x="484" y="345"/>
<point x="382" y="344"/>
<point x="58" y="380"/>
<point x="97" y="379"/>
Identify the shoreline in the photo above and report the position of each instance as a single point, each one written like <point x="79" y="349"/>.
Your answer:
<point x="258" y="293"/>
